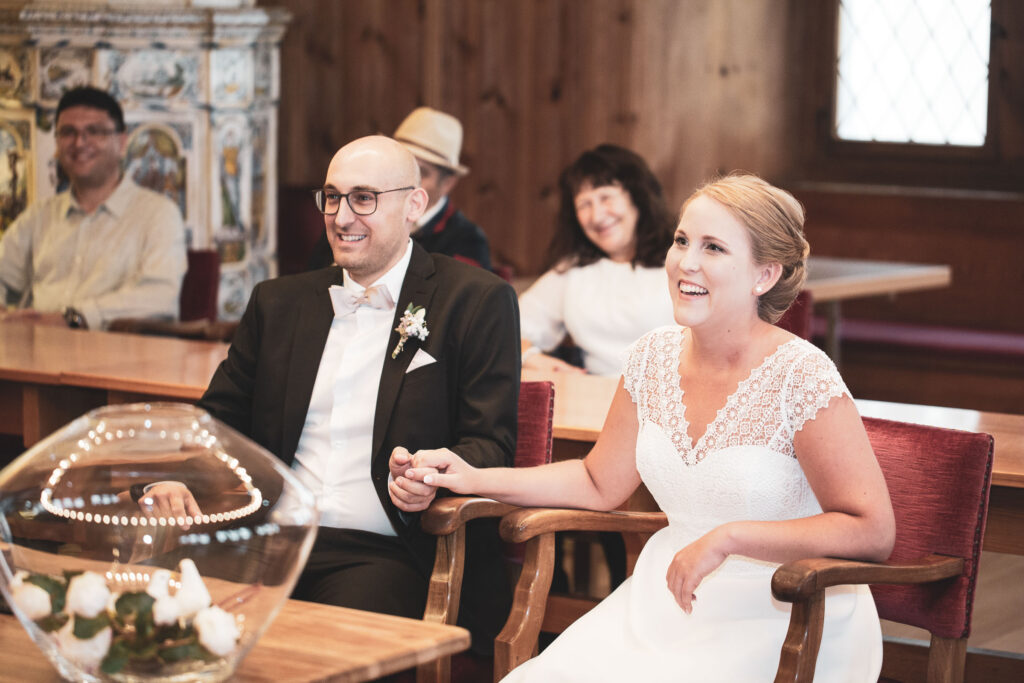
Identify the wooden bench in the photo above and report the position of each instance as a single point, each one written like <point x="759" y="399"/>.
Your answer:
<point x="932" y="364"/>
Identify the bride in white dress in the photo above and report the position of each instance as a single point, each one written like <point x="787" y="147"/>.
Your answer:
<point x="749" y="441"/>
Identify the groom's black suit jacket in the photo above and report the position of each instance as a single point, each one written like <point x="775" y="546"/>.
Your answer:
<point x="466" y="401"/>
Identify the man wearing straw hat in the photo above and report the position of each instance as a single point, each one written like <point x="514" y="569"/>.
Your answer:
<point x="435" y="139"/>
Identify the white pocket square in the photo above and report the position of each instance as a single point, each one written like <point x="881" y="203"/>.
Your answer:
<point x="419" y="360"/>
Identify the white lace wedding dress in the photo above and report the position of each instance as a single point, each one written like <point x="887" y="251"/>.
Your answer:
<point x="742" y="468"/>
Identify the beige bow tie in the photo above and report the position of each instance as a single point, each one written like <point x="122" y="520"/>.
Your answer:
<point x="345" y="301"/>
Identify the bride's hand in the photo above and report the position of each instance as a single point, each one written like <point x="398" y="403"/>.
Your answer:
<point x="442" y="468"/>
<point x="691" y="564"/>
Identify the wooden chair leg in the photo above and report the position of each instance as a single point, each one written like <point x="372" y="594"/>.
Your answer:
<point x="517" y="642"/>
<point x="443" y="595"/>
<point x="800" y="649"/>
<point x="946" y="660"/>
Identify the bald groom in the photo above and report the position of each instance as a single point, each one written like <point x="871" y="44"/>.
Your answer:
<point x="319" y="375"/>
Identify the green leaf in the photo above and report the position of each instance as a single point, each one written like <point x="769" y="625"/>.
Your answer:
<point x="174" y="632"/>
<point x="56" y="589"/>
<point x="132" y="606"/>
<point x="143" y="649"/>
<point x="117" y="657"/>
<point x="180" y="653"/>
<point x="87" y="628"/>
<point x="52" y="622"/>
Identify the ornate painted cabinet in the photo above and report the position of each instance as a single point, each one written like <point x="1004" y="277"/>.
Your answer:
<point x="199" y="84"/>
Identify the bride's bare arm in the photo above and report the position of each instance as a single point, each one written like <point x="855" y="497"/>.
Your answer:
<point x="857" y="520"/>
<point x="601" y="481"/>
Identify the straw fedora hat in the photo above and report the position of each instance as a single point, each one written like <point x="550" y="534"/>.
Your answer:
<point x="434" y="137"/>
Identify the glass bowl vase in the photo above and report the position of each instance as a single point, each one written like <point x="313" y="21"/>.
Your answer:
<point x="150" y="542"/>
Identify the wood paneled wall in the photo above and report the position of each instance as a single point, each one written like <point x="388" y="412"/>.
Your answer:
<point x="696" y="87"/>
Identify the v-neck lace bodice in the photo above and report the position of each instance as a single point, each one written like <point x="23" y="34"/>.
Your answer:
<point x="766" y="409"/>
<point x="743" y="466"/>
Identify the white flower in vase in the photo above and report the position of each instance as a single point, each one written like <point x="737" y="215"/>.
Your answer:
<point x="87" y="652"/>
<point x="192" y="596"/>
<point x="217" y="629"/>
<point x="32" y="600"/>
<point x="88" y="595"/>
<point x="165" y="607"/>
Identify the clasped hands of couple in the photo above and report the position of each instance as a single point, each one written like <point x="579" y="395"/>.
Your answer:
<point x="415" y="478"/>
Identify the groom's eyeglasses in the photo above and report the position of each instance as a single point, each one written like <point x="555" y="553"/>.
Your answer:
<point x="362" y="202"/>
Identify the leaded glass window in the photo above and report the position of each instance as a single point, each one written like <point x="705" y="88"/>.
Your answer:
<point x="913" y="71"/>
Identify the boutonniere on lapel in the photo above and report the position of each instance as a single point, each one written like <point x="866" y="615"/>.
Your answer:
<point x="412" y="324"/>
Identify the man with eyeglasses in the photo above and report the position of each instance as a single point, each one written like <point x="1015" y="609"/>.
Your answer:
<point x="435" y="139"/>
<point x="343" y="372"/>
<point x="103" y="249"/>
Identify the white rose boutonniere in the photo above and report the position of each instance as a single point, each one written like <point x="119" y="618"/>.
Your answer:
<point x="412" y="324"/>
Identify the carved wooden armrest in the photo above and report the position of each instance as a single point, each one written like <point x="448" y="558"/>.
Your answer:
<point x="803" y="583"/>
<point x="799" y="579"/>
<point x="446" y="518"/>
<point x="523" y="524"/>
<point x="445" y="515"/>
<point x="517" y="642"/>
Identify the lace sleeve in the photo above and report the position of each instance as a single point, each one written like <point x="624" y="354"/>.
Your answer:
<point x="813" y="381"/>
<point x="632" y="371"/>
<point x="645" y="360"/>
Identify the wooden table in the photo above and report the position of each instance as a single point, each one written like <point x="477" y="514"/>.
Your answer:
<point x="830" y="280"/>
<point x="50" y="375"/>
<point x="306" y="642"/>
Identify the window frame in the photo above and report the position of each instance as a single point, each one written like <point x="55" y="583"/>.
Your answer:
<point x="826" y="157"/>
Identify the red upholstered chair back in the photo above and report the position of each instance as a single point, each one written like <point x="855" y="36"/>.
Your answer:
<point x="200" y="286"/>
<point x="798" y="318"/>
<point x="534" y="440"/>
<point x="939" y="483"/>
<point x="536" y="416"/>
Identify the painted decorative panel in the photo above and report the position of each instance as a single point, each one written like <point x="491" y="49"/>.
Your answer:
<point x="63" y="68"/>
<point x="232" y="77"/>
<point x="167" y="75"/>
<point x="15" y="148"/>
<point x="154" y="158"/>
<point x="14" y="73"/>
<point x="233" y="173"/>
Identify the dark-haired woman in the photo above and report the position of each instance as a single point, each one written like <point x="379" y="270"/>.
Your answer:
<point x="606" y="286"/>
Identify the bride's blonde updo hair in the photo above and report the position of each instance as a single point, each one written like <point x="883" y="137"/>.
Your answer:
<point x="775" y="222"/>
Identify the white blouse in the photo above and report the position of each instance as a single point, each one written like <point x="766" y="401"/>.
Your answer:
<point x="604" y="307"/>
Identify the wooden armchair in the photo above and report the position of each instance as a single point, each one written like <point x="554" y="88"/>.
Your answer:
<point x="447" y="517"/>
<point x="939" y="483"/>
